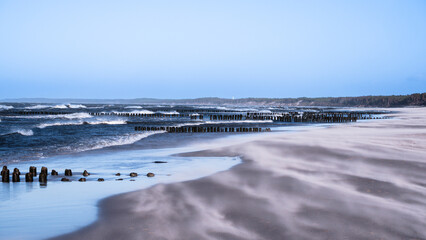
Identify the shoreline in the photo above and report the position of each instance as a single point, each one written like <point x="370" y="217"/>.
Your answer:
<point x="357" y="181"/>
<point x="31" y="209"/>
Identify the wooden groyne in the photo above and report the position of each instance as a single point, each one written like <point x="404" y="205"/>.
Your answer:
<point x="149" y="115"/>
<point x="66" y="177"/>
<point x="204" y="129"/>
<point x="223" y="115"/>
<point x="40" y="113"/>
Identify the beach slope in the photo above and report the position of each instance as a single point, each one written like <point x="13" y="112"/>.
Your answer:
<point x="365" y="180"/>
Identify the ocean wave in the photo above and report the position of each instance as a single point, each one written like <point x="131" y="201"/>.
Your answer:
<point x="115" y="122"/>
<point x="81" y="115"/>
<point x="26" y="132"/>
<point x="168" y="113"/>
<point x="38" y="107"/>
<point x="72" y="106"/>
<point x="22" y="132"/>
<point x="189" y="124"/>
<point x="135" y="112"/>
<point x="5" y="107"/>
<point x="118" y="140"/>
<point x="76" y="106"/>
<point x="134" y="107"/>
<point x="61" y="106"/>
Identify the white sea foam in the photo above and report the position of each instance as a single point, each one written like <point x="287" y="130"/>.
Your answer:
<point x="61" y="106"/>
<point x="115" y="122"/>
<point x="134" y="107"/>
<point x="5" y="107"/>
<point x="72" y="116"/>
<point x="76" y="106"/>
<point x="65" y="106"/>
<point x="26" y="132"/>
<point x="64" y="116"/>
<point x="22" y="132"/>
<point x="135" y="112"/>
<point x="45" y="125"/>
<point x="52" y="124"/>
<point x="38" y="107"/>
<point x="189" y="124"/>
<point x="169" y="113"/>
<point x="119" y="140"/>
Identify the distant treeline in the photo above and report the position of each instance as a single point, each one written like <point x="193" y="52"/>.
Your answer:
<point x="417" y="99"/>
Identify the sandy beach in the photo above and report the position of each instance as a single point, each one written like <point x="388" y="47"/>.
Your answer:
<point x="364" y="180"/>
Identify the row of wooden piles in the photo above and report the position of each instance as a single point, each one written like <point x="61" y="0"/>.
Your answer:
<point x="31" y="174"/>
<point x="197" y="129"/>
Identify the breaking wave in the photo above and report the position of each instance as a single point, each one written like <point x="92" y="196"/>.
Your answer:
<point x="5" y="107"/>
<point x="134" y="107"/>
<point x="38" y="107"/>
<point x="169" y="113"/>
<point x="76" y="106"/>
<point x="64" y="116"/>
<point x="22" y="132"/>
<point x="72" y="106"/>
<point x="116" y="122"/>
<point x="118" y="140"/>
<point x="135" y="111"/>
<point x="61" y="106"/>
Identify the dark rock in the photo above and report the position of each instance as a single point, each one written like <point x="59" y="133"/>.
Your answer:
<point x="42" y="177"/>
<point x="15" y="177"/>
<point x="82" y="180"/>
<point x="68" y="172"/>
<point x="33" y="171"/>
<point x="54" y="172"/>
<point x="117" y="174"/>
<point x="29" y="177"/>
<point x="101" y="179"/>
<point x="119" y="179"/>
<point x="132" y="180"/>
<point x="160" y="162"/>
<point x="133" y="174"/>
<point x="150" y="174"/>
<point x="65" y="180"/>
<point x="85" y="173"/>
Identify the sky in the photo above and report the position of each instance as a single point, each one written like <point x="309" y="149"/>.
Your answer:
<point x="211" y="48"/>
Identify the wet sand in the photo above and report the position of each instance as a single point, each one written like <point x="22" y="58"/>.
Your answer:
<point x="352" y="181"/>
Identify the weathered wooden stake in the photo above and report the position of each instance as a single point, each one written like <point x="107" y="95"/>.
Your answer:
<point x="33" y="171"/>
<point x="42" y="177"/>
<point x="68" y="172"/>
<point x="29" y="177"/>
<point x="15" y="177"/>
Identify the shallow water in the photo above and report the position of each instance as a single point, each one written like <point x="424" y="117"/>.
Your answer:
<point x="32" y="211"/>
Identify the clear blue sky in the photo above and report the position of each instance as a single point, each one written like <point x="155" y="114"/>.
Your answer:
<point x="223" y="48"/>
